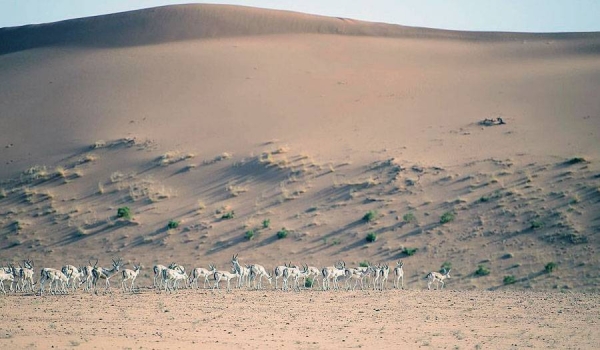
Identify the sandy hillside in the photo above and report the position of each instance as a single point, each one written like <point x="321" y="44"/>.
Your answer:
<point x="236" y="122"/>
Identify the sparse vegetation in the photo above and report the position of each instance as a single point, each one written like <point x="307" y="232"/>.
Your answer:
<point x="409" y="251"/>
<point x="409" y="217"/>
<point x="510" y="279"/>
<point x="482" y="271"/>
<point x="309" y="282"/>
<point x="249" y="234"/>
<point x="228" y="215"/>
<point x="173" y="224"/>
<point x="536" y="224"/>
<point x="550" y="267"/>
<point x="371" y="237"/>
<point x="447" y="217"/>
<point x="124" y="213"/>
<point x="370" y="216"/>
<point x="446" y="266"/>
<point x="283" y="233"/>
<point x="363" y="264"/>
<point x="576" y="160"/>
<point x="266" y="223"/>
<point x="336" y="241"/>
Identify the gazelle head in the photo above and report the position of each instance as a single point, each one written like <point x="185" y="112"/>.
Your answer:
<point x="94" y="265"/>
<point x="234" y="259"/>
<point x="340" y="265"/>
<point x="212" y="267"/>
<point x="270" y="279"/>
<point x="136" y="268"/>
<point x="399" y="263"/>
<point x="447" y="273"/>
<point x="117" y="264"/>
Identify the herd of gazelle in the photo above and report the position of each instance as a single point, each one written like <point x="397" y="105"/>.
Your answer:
<point x="170" y="277"/>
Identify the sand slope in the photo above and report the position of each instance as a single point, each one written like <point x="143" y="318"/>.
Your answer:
<point x="189" y="112"/>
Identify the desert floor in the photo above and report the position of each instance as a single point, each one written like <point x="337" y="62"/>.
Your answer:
<point x="396" y="319"/>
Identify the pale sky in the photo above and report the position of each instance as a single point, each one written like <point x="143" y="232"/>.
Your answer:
<point x="486" y="15"/>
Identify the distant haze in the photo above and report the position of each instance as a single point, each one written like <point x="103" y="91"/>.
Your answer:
<point x="472" y="15"/>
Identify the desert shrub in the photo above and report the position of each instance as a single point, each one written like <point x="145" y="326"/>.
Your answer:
<point x="447" y="217"/>
<point x="510" y="279"/>
<point x="370" y="216"/>
<point x="371" y="237"/>
<point x="550" y="267"/>
<point x="282" y="233"/>
<point x="409" y="251"/>
<point x="309" y="282"/>
<point x="228" y="215"/>
<point x="336" y="241"/>
<point x="576" y="160"/>
<point x="482" y="271"/>
<point x="363" y="264"/>
<point x="446" y="266"/>
<point x="266" y="223"/>
<point x="249" y="234"/>
<point x="535" y="224"/>
<point x="172" y="224"/>
<point x="409" y="217"/>
<point x="124" y="213"/>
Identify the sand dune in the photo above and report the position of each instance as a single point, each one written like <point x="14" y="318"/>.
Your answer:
<point x="189" y="112"/>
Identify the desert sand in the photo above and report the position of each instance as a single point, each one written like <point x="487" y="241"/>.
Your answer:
<point x="306" y="320"/>
<point x="237" y="123"/>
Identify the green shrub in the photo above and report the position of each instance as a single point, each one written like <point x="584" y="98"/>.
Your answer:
<point x="370" y="216"/>
<point x="535" y="224"/>
<point x="282" y="233"/>
<point x="124" y="212"/>
<point x="371" y="237"/>
<point x="482" y="271"/>
<point x="510" y="279"/>
<point x="309" y="282"/>
<point x="266" y="223"/>
<point x="409" y="251"/>
<point x="249" y="234"/>
<point x="363" y="264"/>
<point x="409" y="217"/>
<point x="446" y="266"/>
<point x="172" y="224"/>
<point x="228" y="215"/>
<point x="550" y="267"/>
<point x="447" y="217"/>
<point x="336" y="241"/>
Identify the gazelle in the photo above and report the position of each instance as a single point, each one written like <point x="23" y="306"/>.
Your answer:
<point x="198" y="273"/>
<point x="333" y="273"/>
<point x="15" y="285"/>
<point x="259" y="271"/>
<point x="158" y="269"/>
<point x="88" y="275"/>
<point x="173" y="275"/>
<point x="358" y="274"/>
<point x="314" y="273"/>
<point x="27" y="275"/>
<point x="438" y="278"/>
<point x="130" y="275"/>
<point x="399" y="273"/>
<point x="243" y="272"/>
<point x="53" y="275"/>
<point x="104" y="273"/>
<point x="225" y="275"/>
<point x="294" y="273"/>
<point x="73" y="274"/>
<point x="5" y="276"/>
<point x="278" y="272"/>
<point x="384" y="272"/>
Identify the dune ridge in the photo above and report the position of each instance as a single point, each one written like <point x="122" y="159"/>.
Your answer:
<point x="187" y="22"/>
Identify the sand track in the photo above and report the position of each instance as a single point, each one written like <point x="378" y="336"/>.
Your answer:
<point x="306" y="320"/>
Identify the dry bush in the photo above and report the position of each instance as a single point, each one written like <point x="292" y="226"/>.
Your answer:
<point x="172" y="158"/>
